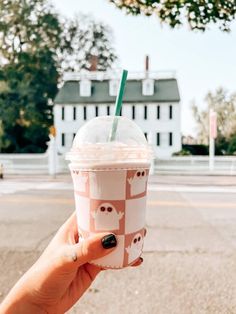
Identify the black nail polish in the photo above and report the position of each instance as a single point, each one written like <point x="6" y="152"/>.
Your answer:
<point x="109" y="241"/>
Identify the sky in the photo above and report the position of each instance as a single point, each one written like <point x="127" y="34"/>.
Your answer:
<point x="202" y="61"/>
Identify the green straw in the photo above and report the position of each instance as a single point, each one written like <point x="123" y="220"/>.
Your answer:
<point x="118" y="105"/>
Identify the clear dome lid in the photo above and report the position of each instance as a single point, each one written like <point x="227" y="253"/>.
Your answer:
<point x="93" y="141"/>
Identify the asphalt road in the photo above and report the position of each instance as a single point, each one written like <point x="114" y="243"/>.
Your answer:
<point x="189" y="254"/>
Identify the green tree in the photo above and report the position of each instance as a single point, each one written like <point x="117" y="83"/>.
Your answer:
<point x="198" y="14"/>
<point x="225" y="107"/>
<point x="231" y="150"/>
<point x="36" y="45"/>
<point x="30" y="35"/>
<point x="91" y="39"/>
<point x="25" y="108"/>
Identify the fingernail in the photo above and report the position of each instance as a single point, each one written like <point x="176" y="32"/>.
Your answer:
<point x="109" y="241"/>
<point x="141" y="259"/>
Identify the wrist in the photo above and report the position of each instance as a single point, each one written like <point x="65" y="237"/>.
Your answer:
<point x="19" y="306"/>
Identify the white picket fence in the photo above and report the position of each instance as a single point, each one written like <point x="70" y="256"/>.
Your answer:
<point x="31" y="164"/>
<point x="24" y="163"/>
<point x="39" y="164"/>
<point x="196" y="165"/>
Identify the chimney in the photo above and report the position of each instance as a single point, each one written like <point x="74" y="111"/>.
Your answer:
<point x="146" y="66"/>
<point x="147" y="63"/>
<point x="93" y="60"/>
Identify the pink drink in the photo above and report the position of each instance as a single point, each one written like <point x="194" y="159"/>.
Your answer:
<point x="110" y="184"/>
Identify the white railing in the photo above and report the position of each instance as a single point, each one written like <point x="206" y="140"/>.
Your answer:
<point x="24" y="163"/>
<point x="115" y="74"/>
<point x="197" y="164"/>
<point x="31" y="164"/>
<point x="39" y="164"/>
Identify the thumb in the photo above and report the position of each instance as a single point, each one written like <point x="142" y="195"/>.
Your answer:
<point x="89" y="249"/>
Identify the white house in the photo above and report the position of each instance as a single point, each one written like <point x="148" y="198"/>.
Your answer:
<point x="152" y="101"/>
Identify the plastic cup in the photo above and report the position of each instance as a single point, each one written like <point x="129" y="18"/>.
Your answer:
<point x="110" y="185"/>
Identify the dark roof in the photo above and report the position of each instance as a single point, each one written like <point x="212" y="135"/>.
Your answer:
<point x="165" y="90"/>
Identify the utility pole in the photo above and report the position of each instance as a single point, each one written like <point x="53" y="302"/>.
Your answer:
<point x="150" y="142"/>
<point x="212" y="137"/>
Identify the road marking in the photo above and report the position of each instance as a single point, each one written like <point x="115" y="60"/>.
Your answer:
<point x="191" y="189"/>
<point x="68" y="201"/>
<point x="16" y="186"/>
<point x="195" y="204"/>
<point x="13" y="187"/>
<point x="39" y="200"/>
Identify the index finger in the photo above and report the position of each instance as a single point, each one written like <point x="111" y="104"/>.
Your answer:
<point x="68" y="232"/>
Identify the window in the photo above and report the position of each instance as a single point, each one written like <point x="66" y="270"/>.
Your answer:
<point x="74" y="113"/>
<point x="170" y="139"/>
<point x="63" y="113"/>
<point x="108" y="110"/>
<point x="85" y="113"/>
<point x="158" y="139"/>
<point x="145" y="112"/>
<point x="133" y="112"/>
<point x="145" y="134"/>
<point x="85" y="88"/>
<point x="170" y="112"/>
<point x="63" y="139"/>
<point x="148" y="87"/>
<point x="158" y="112"/>
<point x="113" y="87"/>
<point x="96" y="111"/>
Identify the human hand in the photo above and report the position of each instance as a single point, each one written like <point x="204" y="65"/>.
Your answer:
<point x="62" y="273"/>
